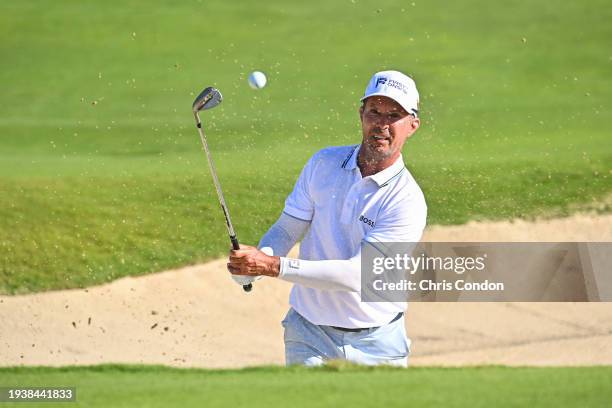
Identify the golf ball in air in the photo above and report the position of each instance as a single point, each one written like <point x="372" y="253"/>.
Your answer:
<point x="257" y="80"/>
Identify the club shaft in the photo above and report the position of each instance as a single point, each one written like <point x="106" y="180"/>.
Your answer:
<point x="213" y="172"/>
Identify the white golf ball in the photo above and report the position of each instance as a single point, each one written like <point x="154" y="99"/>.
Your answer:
<point x="257" y="80"/>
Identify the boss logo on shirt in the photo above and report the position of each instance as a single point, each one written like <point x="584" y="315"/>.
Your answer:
<point x="366" y="220"/>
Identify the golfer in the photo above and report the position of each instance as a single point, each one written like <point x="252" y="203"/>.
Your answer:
<point x="346" y="196"/>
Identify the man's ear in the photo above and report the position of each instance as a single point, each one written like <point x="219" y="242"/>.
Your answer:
<point x="414" y="125"/>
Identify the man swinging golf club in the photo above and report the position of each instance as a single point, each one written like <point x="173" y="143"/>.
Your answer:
<point x="345" y="196"/>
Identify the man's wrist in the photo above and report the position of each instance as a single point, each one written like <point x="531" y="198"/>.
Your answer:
<point x="275" y="266"/>
<point x="288" y="266"/>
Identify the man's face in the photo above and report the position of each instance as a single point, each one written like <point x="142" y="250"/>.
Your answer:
<point x="385" y="126"/>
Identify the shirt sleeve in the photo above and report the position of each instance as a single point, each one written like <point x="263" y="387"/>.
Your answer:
<point x="283" y="235"/>
<point x="299" y="203"/>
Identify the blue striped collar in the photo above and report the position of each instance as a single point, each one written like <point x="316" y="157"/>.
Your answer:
<point x="350" y="161"/>
<point x="384" y="177"/>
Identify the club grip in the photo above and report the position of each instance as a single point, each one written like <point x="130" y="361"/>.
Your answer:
<point x="236" y="246"/>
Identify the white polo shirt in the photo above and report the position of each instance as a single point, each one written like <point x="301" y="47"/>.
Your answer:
<point x="344" y="209"/>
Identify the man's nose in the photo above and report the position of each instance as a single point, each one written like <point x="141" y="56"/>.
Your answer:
<point x="383" y="122"/>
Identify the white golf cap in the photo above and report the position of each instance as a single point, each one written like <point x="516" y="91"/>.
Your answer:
<point x="397" y="86"/>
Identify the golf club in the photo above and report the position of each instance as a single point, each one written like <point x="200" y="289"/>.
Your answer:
<point x="208" y="99"/>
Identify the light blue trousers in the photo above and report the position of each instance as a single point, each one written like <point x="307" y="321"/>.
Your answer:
<point x="309" y="344"/>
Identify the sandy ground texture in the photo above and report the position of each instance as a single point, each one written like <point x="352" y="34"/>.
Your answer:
<point x="195" y="316"/>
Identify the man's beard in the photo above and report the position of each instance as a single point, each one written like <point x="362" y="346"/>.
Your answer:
<point x="376" y="153"/>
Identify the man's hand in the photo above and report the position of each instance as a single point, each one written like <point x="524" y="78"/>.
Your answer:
<point x="251" y="261"/>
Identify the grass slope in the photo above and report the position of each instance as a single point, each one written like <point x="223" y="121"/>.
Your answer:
<point x="140" y="386"/>
<point x="101" y="171"/>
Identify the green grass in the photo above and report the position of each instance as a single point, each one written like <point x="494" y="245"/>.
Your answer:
<point x="514" y="107"/>
<point x="343" y="385"/>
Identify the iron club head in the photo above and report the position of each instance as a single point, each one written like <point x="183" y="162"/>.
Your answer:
<point x="207" y="99"/>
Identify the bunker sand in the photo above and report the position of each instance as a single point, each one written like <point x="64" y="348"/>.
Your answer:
<point x="197" y="317"/>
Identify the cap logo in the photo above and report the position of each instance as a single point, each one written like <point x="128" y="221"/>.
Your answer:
<point x="381" y="81"/>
